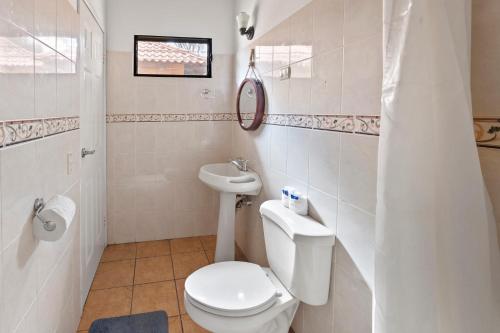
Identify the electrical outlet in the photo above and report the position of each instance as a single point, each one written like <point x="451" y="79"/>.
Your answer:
<point x="69" y="164"/>
<point x="285" y="73"/>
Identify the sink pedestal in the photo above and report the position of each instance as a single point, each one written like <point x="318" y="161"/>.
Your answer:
<point x="224" y="250"/>
<point x="229" y="181"/>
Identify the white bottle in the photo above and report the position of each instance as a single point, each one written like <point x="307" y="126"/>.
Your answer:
<point x="285" y="195"/>
<point x="298" y="203"/>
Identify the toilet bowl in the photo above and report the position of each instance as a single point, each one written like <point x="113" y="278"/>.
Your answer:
<point x="241" y="297"/>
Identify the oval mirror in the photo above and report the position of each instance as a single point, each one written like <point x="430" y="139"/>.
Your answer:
<point x="250" y="104"/>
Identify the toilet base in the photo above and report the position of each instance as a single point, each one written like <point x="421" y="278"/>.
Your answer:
<point x="280" y="323"/>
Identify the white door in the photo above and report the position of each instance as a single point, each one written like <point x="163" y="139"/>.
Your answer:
<point x="93" y="164"/>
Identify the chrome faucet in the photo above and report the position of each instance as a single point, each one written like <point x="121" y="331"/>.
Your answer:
<point x="240" y="163"/>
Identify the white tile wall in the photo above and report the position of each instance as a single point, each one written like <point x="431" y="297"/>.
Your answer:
<point x="17" y="84"/>
<point x="29" y="262"/>
<point x="336" y="68"/>
<point x="277" y="147"/>
<point x="39" y="281"/>
<point x="129" y="94"/>
<point x="18" y="192"/>
<point x="352" y="307"/>
<point x="326" y="85"/>
<point x="45" y="81"/>
<point x="358" y="170"/>
<point x="324" y="157"/>
<point x="485" y="82"/>
<point x="153" y="186"/>
<point x="490" y="164"/>
<point x="297" y="158"/>
<point x="362" y="82"/>
<point x="356" y="232"/>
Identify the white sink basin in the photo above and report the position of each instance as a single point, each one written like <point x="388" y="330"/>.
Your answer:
<point x="229" y="181"/>
<point x="225" y="177"/>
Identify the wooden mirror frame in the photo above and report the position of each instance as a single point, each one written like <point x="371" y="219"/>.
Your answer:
<point x="260" y="108"/>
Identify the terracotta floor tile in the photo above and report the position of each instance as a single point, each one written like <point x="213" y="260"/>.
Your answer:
<point x="153" y="249"/>
<point x="208" y="242"/>
<point x="210" y="255"/>
<point x="174" y="325"/>
<point x="182" y="245"/>
<point x="119" y="252"/>
<point x="154" y="297"/>
<point x="154" y="269"/>
<point x="114" y="274"/>
<point x="186" y="263"/>
<point x="190" y="326"/>
<point x="179" y="284"/>
<point x="239" y="255"/>
<point x="104" y="304"/>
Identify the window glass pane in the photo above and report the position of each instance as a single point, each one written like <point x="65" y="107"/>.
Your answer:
<point x="179" y="58"/>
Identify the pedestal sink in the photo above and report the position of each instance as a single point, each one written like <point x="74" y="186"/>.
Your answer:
<point x="229" y="181"/>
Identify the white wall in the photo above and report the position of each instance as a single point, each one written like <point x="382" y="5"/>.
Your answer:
<point x="341" y="76"/>
<point x="193" y="209"/>
<point x="266" y="14"/>
<point x="207" y="19"/>
<point x="39" y="281"/>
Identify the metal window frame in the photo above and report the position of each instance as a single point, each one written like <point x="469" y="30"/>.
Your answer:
<point x="146" y="38"/>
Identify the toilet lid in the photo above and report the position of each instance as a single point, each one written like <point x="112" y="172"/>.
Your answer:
<point x="231" y="288"/>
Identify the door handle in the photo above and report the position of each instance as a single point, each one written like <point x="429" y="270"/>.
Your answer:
<point x="86" y="152"/>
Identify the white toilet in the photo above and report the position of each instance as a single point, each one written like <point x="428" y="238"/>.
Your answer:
<point x="240" y="297"/>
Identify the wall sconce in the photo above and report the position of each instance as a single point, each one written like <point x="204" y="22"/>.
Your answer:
<point x="242" y="20"/>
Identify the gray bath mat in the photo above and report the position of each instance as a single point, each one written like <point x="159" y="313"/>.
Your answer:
<point x="152" y="322"/>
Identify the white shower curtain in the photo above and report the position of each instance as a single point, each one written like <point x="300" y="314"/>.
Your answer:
<point x="436" y="247"/>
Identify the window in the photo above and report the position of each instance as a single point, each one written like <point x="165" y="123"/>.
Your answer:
<point x="173" y="56"/>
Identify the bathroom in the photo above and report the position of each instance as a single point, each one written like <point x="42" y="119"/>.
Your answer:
<point x="169" y="178"/>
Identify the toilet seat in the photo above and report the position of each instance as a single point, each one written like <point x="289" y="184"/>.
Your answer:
<point x="232" y="289"/>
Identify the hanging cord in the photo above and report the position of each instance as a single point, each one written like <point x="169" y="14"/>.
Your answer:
<point x="251" y="67"/>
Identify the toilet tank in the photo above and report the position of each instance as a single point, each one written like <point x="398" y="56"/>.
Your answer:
<point x="299" y="251"/>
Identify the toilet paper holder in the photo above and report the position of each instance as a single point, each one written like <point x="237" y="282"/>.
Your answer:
<point x="38" y="206"/>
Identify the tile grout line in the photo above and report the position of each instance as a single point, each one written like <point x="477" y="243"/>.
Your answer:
<point x="133" y="280"/>
<point x="174" y="279"/>
<point x="175" y="286"/>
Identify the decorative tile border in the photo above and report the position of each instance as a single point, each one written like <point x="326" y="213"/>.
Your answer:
<point x="336" y="123"/>
<point x="54" y="126"/>
<point x="14" y="132"/>
<point x="148" y="117"/>
<point x="168" y="117"/>
<point x="2" y="133"/>
<point x="487" y="132"/>
<point x="120" y="118"/>
<point x="245" y="116"/>
<point x="276" y="119"/>
<point x="300" y="120"/>
<point x="487" y="129"/>
<point x="209" y="117"/>
<point x="18" y="131"/>
<point x="369" y="125"/>
<point x="173" y="117"/>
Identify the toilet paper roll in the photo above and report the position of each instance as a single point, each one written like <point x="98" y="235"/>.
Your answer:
<point x="60" y="211"/>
